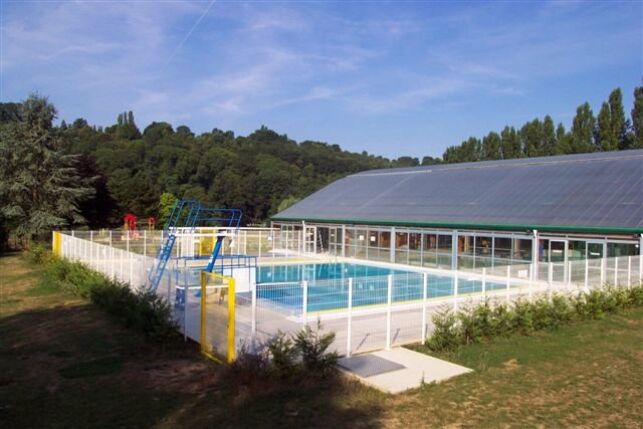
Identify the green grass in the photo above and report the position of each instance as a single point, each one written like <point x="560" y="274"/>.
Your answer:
<point x="64" y="363"/>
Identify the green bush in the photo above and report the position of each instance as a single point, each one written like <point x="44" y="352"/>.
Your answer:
<point x="143" y="311"/>
<point x="313" y="348"/>
<point x="483" y="321"/>
<point x="38" y="253"/>
<point x="284" y="354"/>
<point x="446" y="333"/>
<point x="250" y="368"/>
<point x="301" y="356"/>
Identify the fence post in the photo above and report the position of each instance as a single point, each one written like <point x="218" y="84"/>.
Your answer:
<point x="550" y="277"/>
<point x="629" y="271"/>
<point x="349" y="327"/>
<point x="304" y="314"/>
<point x="587" y="274"/>
<point x="616" y="271"/>
<point x="111" y="256"/>
<point x="185" y="300"/>
<point x="455" y="291"/>
<point x="531" y="282"/>
<point x="508" y="281"/>
<point x="484" y="283"/>
<point x="569" y="272"/>
<point x="253" y="323"/>
<point x="603" y="270"/>
<point x="425" y="282"/>
<point x="91" y="249"/>
<point x="131" y="265"/>
<point x="388" y="312"/>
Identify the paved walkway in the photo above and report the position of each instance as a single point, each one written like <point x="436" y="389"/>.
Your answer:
<point x="399" y="369"/>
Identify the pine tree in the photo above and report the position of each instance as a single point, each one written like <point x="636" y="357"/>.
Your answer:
<point x="39" y="186"/>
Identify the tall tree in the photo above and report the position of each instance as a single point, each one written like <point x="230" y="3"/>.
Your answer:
<point x="510" y="143"/>
<point x="549" y="137"/>
<point x="583" y="130"/>
<point x="531" y="135"/>
<point x="611" y="131"/>
<point x="563" y="141"/>
<point x="637" y="118"/>
<point x="40" y="188"/>
<point x="491" y="147"/>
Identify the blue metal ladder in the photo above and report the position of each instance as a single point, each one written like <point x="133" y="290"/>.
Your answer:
<point x="186" y="211"/>
<point x="233" y="219"/>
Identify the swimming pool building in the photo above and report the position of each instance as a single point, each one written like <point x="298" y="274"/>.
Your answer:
<point x="485" y="214"/>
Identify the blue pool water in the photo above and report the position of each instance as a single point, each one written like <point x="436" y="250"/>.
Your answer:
<point x="328" y="285"/>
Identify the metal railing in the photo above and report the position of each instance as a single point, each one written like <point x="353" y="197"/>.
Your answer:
<point x="365" y="312"/>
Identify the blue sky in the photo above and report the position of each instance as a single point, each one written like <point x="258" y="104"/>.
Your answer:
<point x="391" y="78"/>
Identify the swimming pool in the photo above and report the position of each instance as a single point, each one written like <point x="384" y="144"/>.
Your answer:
<point x="328" y="285"/>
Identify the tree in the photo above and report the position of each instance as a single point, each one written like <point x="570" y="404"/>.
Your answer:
<point x="491" y="147"/>
<point x="611" y="130"/>
<point x="582" y="139"/>
<point x="429" y="160"/>
<point x="166" y="204"/>
<point x="550" y="140"/>
<point x="637" y="118"/>
<point x="406" y="161"/>
<point x="40" y="187"/>
<point x="287" y="202"/>
<point x="510" y="143"/>
<point x="563" y="141"/>
<point x="531" y="135"/>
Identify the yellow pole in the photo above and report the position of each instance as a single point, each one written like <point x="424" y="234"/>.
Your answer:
<point x="56" y="245"/>
<point x="231" y="319"/>
<point x="202" y="336"/>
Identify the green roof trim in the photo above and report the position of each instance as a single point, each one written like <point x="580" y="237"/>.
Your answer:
<point x="464" y="225"/>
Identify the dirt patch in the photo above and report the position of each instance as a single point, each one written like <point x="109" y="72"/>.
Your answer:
<point x="511" y="365"/>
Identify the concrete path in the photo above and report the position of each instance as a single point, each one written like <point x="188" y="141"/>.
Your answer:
<point x="399" y="369"/>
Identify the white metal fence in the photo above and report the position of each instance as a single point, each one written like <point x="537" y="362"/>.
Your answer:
<point x="365" y="312"/>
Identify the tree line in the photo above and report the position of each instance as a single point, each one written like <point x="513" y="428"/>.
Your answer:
<point x="73" y="175"/>
<point x="609" y="131"/>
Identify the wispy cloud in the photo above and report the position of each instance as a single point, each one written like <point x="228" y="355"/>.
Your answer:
<point x="209" y="63"/>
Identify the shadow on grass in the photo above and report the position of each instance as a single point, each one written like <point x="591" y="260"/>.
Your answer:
<point x="74" y="367"/>
<point x="70" y="367"/>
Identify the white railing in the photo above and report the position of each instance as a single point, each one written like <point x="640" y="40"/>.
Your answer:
<point x="365" y="312"/>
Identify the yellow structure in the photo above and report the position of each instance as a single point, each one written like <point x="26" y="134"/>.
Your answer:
<point x="56" y="243"/>
<point x="218" y="316"/>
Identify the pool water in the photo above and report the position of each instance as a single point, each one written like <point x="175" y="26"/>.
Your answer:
<point x="328" y="285"/>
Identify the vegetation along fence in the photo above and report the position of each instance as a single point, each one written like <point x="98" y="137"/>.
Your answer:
<point x="366" y="312"/>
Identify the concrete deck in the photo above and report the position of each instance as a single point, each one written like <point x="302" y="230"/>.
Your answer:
<point x="418" y="367"/>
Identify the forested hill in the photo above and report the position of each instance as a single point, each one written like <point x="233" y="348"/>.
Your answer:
<point x="256" y="173"/>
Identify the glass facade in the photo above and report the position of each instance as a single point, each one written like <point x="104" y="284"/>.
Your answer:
<point x="464" y="250"/>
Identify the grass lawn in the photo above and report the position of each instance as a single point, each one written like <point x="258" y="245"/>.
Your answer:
<point x="64" y="363"/>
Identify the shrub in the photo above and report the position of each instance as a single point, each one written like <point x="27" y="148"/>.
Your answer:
<point x="38" y="253"/>
<point x="250" y="368"/>
<point x="446" y="333"/>
<point x="143" y="311"/>
<point x="313" y="347"/>
<point x="470" y="325"/>
<point x="284" y="354"/>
